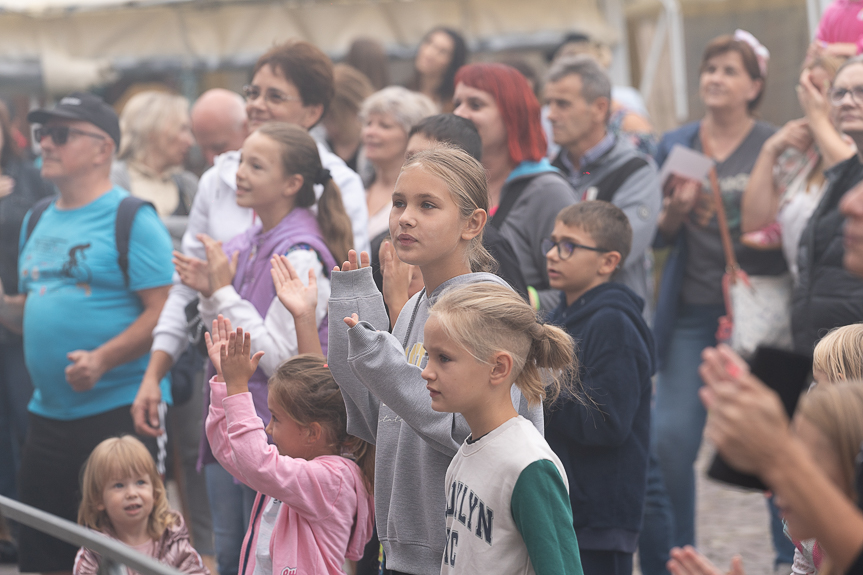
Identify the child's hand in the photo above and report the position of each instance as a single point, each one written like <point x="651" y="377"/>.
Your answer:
<point x="192" y="271"/>
<point x="300" y="299"/>
<point x="352" y="264"/>
<point x="237" y="367"/>
<point x="220" y="270"/>
<point x="353" y="320"/>
<point x="220" y="330"/>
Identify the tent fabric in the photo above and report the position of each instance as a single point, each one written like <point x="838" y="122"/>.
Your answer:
<point x="224" y="31"/>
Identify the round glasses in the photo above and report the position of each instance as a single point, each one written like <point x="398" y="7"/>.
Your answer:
<point x="837" y="95"/>
<point x="565" y="248"/>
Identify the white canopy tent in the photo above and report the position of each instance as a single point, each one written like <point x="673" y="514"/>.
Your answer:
<point x="78" y="42"/>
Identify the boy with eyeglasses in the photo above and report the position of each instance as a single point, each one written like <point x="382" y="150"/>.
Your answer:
<point x="603" y="441"/>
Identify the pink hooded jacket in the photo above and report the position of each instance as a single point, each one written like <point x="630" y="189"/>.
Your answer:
<point x="327" y="514"/>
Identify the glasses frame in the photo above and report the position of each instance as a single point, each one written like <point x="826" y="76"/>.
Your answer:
<point x="272" y="97"/>
<point x="548" y="244"/>
<point x="60" y="134"/>
<point x="837" y="95"/>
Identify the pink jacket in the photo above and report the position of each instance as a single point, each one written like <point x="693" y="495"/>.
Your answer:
<point x="842" y="22"/>
<point x="173" y="549"/>
<point x="327" y="514"/>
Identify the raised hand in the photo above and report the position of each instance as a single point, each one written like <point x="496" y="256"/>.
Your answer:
<point x="220" y="270"/>
<point x="219" y="338"/>
<point x="300" y="299"/>
<point x="192" y="271"/>
<point x="353" y="320"/>
<point x="237" y="366"/>
<point x="398" y="279"/>
<point x="688" y="561"/>
<point x="352" y="263"/>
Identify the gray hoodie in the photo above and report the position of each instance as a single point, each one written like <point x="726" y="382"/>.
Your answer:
<point x="388" y="405"/>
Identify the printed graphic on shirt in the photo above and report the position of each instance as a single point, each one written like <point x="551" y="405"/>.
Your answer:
<point x="416" y="354"/>
<point x="732" y="188"/>
<point x="465" y="507"/>
<point x="73" y="271"/>
<point x="289" y="571"/>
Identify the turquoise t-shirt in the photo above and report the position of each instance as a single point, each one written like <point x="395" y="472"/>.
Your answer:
<point x="77" y="299"/>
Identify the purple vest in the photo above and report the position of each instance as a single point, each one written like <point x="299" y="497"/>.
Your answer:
<point x="254" y="284"/>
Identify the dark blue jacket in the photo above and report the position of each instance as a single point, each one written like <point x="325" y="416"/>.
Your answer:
<point x="604" y="447"/>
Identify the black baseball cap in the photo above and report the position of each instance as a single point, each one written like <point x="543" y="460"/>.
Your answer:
<point x="82" y="106"/>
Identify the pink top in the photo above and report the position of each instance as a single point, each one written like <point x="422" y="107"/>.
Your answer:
<point x="842" y="22"/>
<point x="327" y="514"/>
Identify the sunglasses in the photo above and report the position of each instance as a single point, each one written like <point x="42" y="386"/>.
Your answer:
<point x="60" y="134"/>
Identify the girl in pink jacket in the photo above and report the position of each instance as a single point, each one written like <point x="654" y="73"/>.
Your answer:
<point x="123" y="497"/>
<point x="314" y="508"/>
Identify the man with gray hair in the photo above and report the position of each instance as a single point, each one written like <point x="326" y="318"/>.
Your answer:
<point x="219" y="122"/>
<point x="601" y="166"/>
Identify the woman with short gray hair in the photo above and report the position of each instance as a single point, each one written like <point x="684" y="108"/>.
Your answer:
<point x="388" y="116"/>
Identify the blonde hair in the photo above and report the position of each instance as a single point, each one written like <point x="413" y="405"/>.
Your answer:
<point x="300" y="156"/>
<point x="839" y="354"/>
<point x="144" y="115"/>
<point x="406" y="108"/>
<point x="485" y="318"/>
<point x="466" y="181"/>
<point x="304" y="387"/>
<point x="116" y="458"/>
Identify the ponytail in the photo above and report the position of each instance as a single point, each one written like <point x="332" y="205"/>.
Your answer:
<point x="304" y="387"/>
<point x="334" y="221"/>
<point x="485" y="318"/>
<point x="300" y="156"/>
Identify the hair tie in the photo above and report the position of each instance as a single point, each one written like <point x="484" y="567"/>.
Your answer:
<point x="762" y="54"/>
<point x="323" y="176"/>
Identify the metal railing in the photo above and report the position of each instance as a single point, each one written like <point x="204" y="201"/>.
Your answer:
<point x="114" y="553"/>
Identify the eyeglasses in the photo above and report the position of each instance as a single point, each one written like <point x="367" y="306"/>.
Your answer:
<point x="837" y="95"/>
<point x="60" y="134"/>
<point x="566" y="247"/>
<point x="272" y="96"/>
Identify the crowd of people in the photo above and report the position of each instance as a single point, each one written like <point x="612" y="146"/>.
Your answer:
<point x="414" y="330"/>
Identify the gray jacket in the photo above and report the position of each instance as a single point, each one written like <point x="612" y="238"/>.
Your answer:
<point x="388" y="405"/>
<point x="640" y="198"/>
<point x="530" y="221"/>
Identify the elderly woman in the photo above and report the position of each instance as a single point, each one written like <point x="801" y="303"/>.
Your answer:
<point x="388" y="116"/>
<point x="156" y="136"/>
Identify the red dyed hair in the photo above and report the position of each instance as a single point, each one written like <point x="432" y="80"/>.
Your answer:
<point x="517" y="104"/>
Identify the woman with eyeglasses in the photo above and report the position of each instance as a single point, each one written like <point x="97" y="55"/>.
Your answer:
<point x="732" y="79"/>
<point x="21" y="187"/>
<point x="788" y="179"/>
<point x="826" y="295"/>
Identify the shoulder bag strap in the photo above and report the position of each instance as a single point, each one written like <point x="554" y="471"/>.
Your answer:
<point x="731" y="266"/>
<point x="35" y="213"/>
<point x="609" y="185"/>
<point x="509" y="200"/>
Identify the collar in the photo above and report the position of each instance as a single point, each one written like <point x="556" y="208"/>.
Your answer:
<point x="592" y="155"/>
<point x="528" y="167"/>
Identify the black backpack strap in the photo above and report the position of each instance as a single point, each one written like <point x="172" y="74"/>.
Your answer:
<point x="35" y="213"/>
<point x="608" y="186"/>
<point x="513" y="192"/>
<point x="126" y="213"/>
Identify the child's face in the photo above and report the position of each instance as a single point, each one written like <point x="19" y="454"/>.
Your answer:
<point x="826" y="458"/>
<point x="456" y="381"/>
<point x="128" y="502"/>
<point x="289" y="436"/>
<point x="579" y="272"/>
<point x="425" y="223"/>
<point x="261" y="181"/>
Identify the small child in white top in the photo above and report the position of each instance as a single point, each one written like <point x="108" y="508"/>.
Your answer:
<point x="508" y="507"/>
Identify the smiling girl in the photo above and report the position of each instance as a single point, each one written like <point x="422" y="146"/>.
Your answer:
<point x="124" y="498"/>
<point x="439" y="210"/>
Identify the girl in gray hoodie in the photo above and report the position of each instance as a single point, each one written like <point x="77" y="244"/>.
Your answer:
<point x="440" y="206"/>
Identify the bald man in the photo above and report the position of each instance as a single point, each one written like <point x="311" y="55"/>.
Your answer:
<point x="219" y="122"/>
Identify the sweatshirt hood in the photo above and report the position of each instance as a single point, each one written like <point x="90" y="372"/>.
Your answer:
<point x="529" y="168"/>
<point x="611" y="295"/>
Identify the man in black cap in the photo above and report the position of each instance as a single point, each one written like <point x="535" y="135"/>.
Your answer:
<point x="94" y="270"/>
